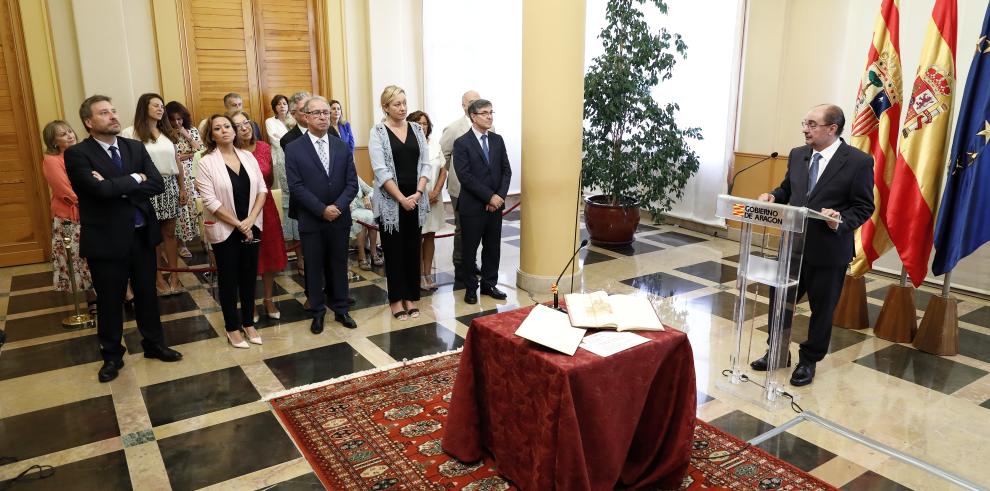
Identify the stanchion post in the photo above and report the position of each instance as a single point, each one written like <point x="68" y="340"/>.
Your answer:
<point x="78" y="319"/>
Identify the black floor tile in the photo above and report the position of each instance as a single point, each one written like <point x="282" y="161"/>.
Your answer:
<point x="291" y="310"/>
<point x="220" y="452"/>
<point x="513" y="242"/>
<point x="980" y="317"/>
<point x="259" y="289"/>
<point x="926" y="370"/>
<point x="35" y="326"/>
<point x="841" y="338"/>
<point x="663" y="284"/>
<point x="42" y="432"/>
<point x="174" y="304"/>
<point x="873" y="312"/>
<point x="723" y="304"/>
<point x="592" y="257"/>
<point x="177" y="331"/>
<point x="974" y="345"/>
<point x="305" y="482"/>
<point x="193" y="396"/>
<point x="107" y="472"/>
<point x="41" y="300"/>
<point x="711" y="271"/>
<point x="32" y="281"/>
<point x="49" y="356"/>
<point x="871" y="481"/>
<point x="642" y="227"/>
<point x="637" y="247"/>
<point x="703" y="398"/>
<point x="509" y="230"/>
<point x="921" y="297"/>
<point x="986" y="404"/>
<point x="318" y="364"/>
<point x="735" y="258"/>
<point x="798" y="452"/>
<point x="467" y="318"/>
<point x="368" y="296"/>
<point x="674" y="239"/>
<point x="413" y="342"/>
<point x="514" y="215"/>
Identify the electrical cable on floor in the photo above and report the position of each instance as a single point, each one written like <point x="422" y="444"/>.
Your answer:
<point x="794" y="405"/>
<point x="35" y="472"/>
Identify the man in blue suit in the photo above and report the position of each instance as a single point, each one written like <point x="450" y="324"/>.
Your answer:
<point x="322" y="182"/>
<point x="482" y="166"/>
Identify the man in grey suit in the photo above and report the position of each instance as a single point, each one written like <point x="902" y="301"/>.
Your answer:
<point x="452" y="132"/>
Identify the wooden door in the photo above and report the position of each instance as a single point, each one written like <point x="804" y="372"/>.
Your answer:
<point x="287" y="49"/>
<point x="24" y="205"/>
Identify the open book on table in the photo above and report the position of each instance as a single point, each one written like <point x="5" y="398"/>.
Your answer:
<point x="620" y="312"/>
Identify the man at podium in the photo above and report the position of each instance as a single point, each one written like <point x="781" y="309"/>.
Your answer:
<point x="827" y="175"/>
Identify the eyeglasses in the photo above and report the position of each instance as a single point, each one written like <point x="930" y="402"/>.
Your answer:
<point x="813" y="124"/>
<point x="244" y="124"/>
<point x="319" y="113"/>
<point x="485" y="113"/>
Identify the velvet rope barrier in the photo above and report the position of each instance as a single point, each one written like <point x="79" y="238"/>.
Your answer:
<point x="440" y="236"/>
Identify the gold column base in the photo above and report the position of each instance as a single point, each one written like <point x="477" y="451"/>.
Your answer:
<point x="78" y="321"/>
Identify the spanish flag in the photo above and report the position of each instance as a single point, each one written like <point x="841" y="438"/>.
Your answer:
<point x="874" y="129"/>
<point x="917" y="175"/>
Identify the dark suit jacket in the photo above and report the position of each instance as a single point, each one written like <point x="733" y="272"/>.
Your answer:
<point x="480" y="180"/>
<point x="106" y="208"/>
<point x="311" y="190"/>
<point x="846" y="186"/>
<point x="290" y="136"/>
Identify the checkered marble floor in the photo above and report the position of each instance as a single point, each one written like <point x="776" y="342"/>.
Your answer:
<point x="200" y="423"/>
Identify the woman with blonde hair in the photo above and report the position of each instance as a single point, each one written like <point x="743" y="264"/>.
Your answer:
<point x="152" y="128"/>
<point x="58" y="136"/>
<point x="400" y="159"/>
<point x="233" y="192"/>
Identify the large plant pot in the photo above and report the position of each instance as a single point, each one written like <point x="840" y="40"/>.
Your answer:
<point x="609" y="225"/>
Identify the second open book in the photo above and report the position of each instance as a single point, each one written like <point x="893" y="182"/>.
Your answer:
<point x="620" y="312"/>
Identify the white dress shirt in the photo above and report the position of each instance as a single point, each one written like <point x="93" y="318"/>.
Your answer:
<point x="325" y="158"/>
<point x="827" y="154"/>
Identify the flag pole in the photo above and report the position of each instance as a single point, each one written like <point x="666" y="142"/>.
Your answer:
<point x="939" y="330"/>
<point x="904" y="275"/>
<point x="898" y="321"/>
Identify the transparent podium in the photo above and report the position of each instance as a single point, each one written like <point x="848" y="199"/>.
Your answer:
<point x="779" y="268"/>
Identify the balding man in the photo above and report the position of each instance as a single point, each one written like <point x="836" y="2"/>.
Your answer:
<point x="296" y="103"/>
<point x="828" y="175"/>
<point x="452" y="132"/>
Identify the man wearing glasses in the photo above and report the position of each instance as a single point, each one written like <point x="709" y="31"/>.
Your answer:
<point x="296" y="103"/>
<point x="322" y="182"/>
<point x="482" y="166"/>
<point x="830" y="176"/>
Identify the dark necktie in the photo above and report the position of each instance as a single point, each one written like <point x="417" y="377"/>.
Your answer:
<point x="813" y="171"/>
<point x="115" y="157"/>
<point x="484" y="148"/>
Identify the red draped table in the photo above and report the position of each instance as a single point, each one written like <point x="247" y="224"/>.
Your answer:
<point x="585" y="422"/>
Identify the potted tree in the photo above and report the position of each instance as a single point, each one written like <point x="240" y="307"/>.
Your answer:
<point x="635" y="155"/>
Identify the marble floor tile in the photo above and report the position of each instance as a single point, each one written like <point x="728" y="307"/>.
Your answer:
<point x="723" y="304"/>
<point x="871" y="481"/>
<point x="19" y="304"/>
<point x="674" y="239"/>
<point x="58" y="428"/>
<point x="177" y="331"/>
<point x="305" y="482"/>
<point x="921" y="297"/>
<point x="802" y="454"/>
<point x="369" y="296"/>
<point x="589" y="257"/>
<point x="31" y="280"/>
<point x="290" y="310"/>
<point x="926" y="370"/>
<point x="662" y="284"/>
<point x="979" y="317"/>
<point x="36" y="326"/>
<point x="974" y="345"/>
<point x="203" y="457"/>
<point x="421" y="340"/>
<point x="841" y="338"/>
<point x="49" y="356"/>
<point x="636" y="248"/>
<point x="712" y="271"/>
<point x="467" y="318"/>
<point x="318" y="364"/>
<point x="175" y="400"/>
<point x="173" y="304"/>
<point x="107" y="472"/>
<point x="509" y="230"/>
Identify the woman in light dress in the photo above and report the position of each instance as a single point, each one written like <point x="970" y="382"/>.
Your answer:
<point x="187" y="143"/>
<point x="434" y="221"/>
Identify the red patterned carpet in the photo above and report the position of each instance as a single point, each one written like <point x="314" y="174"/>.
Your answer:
<point x="382" y="431"/>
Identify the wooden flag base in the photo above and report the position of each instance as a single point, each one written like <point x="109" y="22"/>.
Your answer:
<point x="939" y="331"/>
<point x="898" y="321"/>
<point x="851" y="312"/>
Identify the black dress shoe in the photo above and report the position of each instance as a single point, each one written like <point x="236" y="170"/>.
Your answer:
<point x="494" y="293"/>
<point x="803" y="374"/>
<point x="470" y="297"/>
<point x="346" y="320"/>
<point x="109" y="370"/>
<point x="317" y="326"/>
<point x="760" y="364"/>
<point x="163" y="353"/>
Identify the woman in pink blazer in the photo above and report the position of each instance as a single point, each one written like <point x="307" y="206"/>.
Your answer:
<point x="233" y="192"/>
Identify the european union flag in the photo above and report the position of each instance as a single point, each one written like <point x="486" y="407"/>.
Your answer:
<point x="963" y="218"/>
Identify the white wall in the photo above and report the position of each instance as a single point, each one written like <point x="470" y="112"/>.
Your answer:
<point x="396" y="40"/>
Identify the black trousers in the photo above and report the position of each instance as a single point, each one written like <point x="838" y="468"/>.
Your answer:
<point x="402" y="256"/>
<point x="484" y="229"/>
<point x="110" y="278"/>
<point x="823" y="284"/>
<point x="456" y="256"/>
<point x="237" y="268"/>
<point x="326" y="268"/>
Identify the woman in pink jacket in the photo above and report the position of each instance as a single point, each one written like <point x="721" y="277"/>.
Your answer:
<point x="233" y="192"/>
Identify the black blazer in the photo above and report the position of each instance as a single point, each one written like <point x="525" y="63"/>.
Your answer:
<point x="289" y="137"/>
<point x="479" y="180"/>
<point x="311" y="190"/>
<point x="846" y="186"/>
<point x="106" y="208"/>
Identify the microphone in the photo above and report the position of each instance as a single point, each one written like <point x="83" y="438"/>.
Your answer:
<point x="553" y="288"/>
<point x="764" y="159"/>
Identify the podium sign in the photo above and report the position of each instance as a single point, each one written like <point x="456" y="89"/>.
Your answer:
<point x="780" y="270"/>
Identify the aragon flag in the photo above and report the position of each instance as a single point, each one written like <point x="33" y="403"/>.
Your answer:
<point x="914" y="187"/>
<point x="874" y="129"/>
<point x="964" y="215"/>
